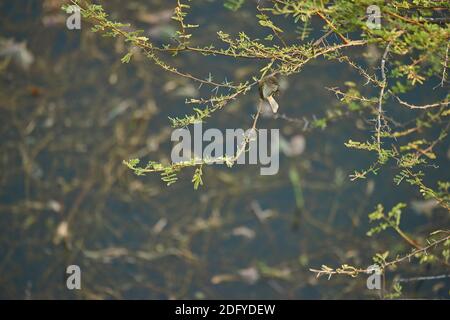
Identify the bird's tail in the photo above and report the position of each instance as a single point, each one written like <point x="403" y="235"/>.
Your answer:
<point x="273" y="104"/>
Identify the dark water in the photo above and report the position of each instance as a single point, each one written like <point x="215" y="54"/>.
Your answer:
<point x="70" y="119"/>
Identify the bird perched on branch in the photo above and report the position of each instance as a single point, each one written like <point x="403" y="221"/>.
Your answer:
<point x="268" y="87"/>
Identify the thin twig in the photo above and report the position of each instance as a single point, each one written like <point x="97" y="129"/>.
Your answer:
<point x="380" y="98"/>
<point x="442" y="276"/>
<point x="332" y="27"/>
<point x="426" y="106"/>
<point x="354" y="271"/>
<point x="444" y="70"/>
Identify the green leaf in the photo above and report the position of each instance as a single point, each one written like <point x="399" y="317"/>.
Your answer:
<point x="126" y="58"/>
<point x="197" y="178"/>
<point x="233" y="5"/>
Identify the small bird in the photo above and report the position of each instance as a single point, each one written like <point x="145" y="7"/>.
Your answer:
<point x="268" y="86"/>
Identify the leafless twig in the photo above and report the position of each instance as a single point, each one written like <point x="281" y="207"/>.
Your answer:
<point x="444" y="70"/>
<point x="442" y="276"/>
<point x="426" y="106"/>
<point x="380" y="98"/>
